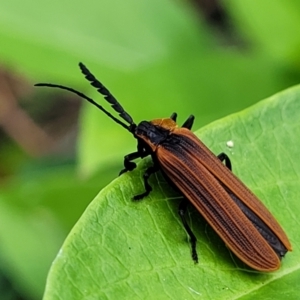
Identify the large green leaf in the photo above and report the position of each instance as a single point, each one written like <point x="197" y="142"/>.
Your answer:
<point x="121" y="249"/>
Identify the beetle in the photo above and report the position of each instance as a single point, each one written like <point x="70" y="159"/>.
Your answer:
<point x="240" y="219"/>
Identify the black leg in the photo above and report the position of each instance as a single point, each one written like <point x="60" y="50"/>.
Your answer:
<point x="222" y="156"/>
<point x="128" y="163"/>
<point x="189" y="122"/>
<point x="182" y="210"/>
<point x="148" y="187"/>
<point x="173" y="116"/>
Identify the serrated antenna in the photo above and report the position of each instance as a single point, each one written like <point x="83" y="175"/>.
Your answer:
<point x="105" y="92"/>
<point x="102" y="90"/>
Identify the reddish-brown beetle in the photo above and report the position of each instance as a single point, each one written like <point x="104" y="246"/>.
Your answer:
<point x="232" y="210"/>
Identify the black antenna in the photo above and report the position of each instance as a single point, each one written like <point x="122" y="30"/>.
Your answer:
<point x="102" y="90"/>
<point x="129" y="128"/>
<point x="105" y="92"/>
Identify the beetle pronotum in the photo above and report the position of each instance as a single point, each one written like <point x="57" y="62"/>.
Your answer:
<point x="232" y="210"/>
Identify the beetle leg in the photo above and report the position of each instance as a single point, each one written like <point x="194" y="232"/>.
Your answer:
<point x="128" y="163"/>
<point x="148" y="187"/>
<point x="222" y="156"/>
<point x="182" y="210"/>
<point x="189" y="122"/>
<point x="173" y="116"/>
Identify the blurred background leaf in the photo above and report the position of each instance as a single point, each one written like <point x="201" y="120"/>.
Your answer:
<point x="208" y="58"/>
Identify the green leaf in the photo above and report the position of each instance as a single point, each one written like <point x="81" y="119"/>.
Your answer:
<point x="121" y="249"/>
<point x="272" y="27"/>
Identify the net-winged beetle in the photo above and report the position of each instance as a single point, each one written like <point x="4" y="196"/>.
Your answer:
<point x="232" y="210"/>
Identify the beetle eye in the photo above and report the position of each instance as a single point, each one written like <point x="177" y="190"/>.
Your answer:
<point x="151" y="134"/>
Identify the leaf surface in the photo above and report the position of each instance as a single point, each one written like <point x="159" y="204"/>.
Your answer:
<point x="139" y="250"/>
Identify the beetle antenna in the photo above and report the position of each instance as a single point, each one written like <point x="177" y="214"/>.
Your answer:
<point x="105" y="92"/>
<point x="129" y="128"/>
